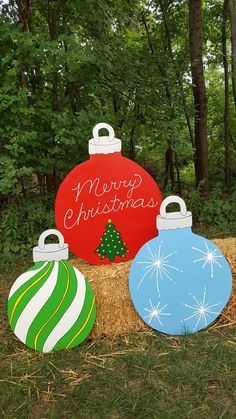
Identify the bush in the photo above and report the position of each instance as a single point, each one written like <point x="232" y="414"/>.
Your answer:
<point x="20" y="227"/>
<point x="218" y="210"/>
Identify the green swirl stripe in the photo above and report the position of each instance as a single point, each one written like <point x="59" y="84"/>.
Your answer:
<point x="36" y="266"/>
<point x="25" y="285"/>
<point x="84" y="323"/>
<point x="83" y="333"/>
<point x="52" y="311"/>
<point x="23" y="295"/>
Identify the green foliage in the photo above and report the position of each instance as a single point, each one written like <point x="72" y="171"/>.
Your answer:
<point x="218" y="210"/>
<point x="20" y="227"/>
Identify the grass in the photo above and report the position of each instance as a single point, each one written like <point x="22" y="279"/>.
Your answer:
<point x="142" y="375"/>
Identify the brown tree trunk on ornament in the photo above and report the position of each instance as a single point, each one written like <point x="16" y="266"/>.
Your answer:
<point x="232" y="16"/>
<point x="226" y="95"/>
<point x="199" y="94"/>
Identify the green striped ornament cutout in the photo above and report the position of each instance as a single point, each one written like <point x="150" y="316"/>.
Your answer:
<point x="51" y="307"/>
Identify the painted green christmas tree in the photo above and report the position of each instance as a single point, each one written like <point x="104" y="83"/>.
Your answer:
<point x="112" y="244"/>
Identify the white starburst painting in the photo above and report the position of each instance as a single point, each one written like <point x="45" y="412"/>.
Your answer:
<point x="155" y="312"/>
<point x="209" y="258"/>
<point x="157" y="266"/>
<point x="203" y="312"/>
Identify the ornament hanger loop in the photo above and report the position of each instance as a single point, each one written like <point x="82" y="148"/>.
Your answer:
<point x="108" y="127"/>
<point x="170" y="200"/>
<point x="41" y="242"/>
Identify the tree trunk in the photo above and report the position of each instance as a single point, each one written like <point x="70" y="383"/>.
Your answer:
<point x="169" y="153"/>
<point x="23" y="11"/>
<point x="226" y="94"/>
<point x="169" y="173"/>
<point x="178" y="175"/>
<point x="135" y="122"/>
<point x="232" y="16"/>
<point x="24" y="14"/>
<point x="41" y="183"/>
<point x="199" y="94"/>
<point x="52" y="24"/>
<point x="69" y="86"/>
<point x="131" y="143"/>
<point x="177" y="72"/>
<point x="53" y="17"/>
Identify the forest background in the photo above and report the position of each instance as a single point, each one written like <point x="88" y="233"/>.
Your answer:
<point x="161" y="72"/>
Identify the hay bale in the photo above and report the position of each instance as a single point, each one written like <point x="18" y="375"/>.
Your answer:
<point x="115" y="312"/>
<point x="228" y="315"/>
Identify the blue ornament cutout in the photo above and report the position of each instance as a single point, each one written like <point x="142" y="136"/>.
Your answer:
<point x="179" y="281"/>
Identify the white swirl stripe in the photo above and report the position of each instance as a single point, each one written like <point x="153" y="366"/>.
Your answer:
<point x="70" y="316"/>
<point x="35" y="305"/>
<point x="24" y="278"/>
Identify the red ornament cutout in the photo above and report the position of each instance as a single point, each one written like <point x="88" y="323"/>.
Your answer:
<point x="107" y="187"/>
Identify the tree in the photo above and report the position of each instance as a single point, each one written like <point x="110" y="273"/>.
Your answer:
<point x="199" y="94"/>
<point x="226" y="93"/>
<point x="112" y="244"/>
<point x="176" y="69"/>
<point x="169" y="154"/>
<point x="232" y="16"/>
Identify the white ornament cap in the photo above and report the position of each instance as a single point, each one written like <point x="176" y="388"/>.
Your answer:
<point x="106" y="144"/>
<point x="173" y="220"/>
<point x="53" y="251"/>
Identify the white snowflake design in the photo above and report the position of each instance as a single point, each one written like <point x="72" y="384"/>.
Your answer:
<point x="201" y="311"/>
<point x="155" y="312"/>
<point x="159" y="265"/>
<point x="209" y="257"/>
